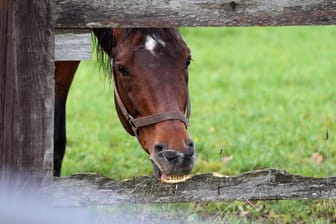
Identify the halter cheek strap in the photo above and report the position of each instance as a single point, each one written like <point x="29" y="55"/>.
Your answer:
<point x="137" y="123"/>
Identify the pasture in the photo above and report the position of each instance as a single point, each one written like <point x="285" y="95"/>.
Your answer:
<point x="261" y="97"/>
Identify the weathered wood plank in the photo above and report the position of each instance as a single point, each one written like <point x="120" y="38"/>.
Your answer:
<point x="26" y="91"/>
<point x="73" y="45"/>
<point x="268" y="184"/>
<point x="172" y="13"/>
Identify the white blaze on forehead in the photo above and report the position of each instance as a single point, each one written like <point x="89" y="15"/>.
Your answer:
<point x="150" y="44"/>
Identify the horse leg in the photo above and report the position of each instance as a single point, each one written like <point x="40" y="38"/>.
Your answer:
<point x="64" y="73"/>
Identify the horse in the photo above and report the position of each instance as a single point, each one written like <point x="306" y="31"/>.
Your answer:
<point x="149" y="69"/>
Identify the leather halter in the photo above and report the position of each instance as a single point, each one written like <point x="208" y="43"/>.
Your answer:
<point x="152" y="119"/>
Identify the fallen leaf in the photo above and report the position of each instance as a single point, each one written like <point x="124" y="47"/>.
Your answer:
<point x="212" y="129"/>
<point x="216" y="174"/>
<point x="244" y="213"/>
<point x="226" y="159"/>
<point x="317" y="157"/>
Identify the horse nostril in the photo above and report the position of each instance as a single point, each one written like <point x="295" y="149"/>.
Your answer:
<point x="158" y="149"/>
<point x="170" y="154"/>
<point x="190" y="151"/>
<point x="162" y="151"/>
<point x="190" y="143"/>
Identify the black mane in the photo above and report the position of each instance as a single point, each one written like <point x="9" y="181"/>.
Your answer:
<point x="103" y="44"/>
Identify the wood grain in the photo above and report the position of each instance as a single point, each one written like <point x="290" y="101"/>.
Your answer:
<point x="26" y="91"/>
<point x="268" y="184"/>
<point x="73" y="45"/>
<point x="173" y="13"/>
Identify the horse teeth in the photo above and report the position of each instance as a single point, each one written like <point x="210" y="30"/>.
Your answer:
<point x="174" y="179"/>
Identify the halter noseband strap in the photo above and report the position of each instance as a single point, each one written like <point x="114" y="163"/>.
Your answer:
<point x="137" y="123"/>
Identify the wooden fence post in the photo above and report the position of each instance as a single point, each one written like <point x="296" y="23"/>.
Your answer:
<point x="26" y="91"/>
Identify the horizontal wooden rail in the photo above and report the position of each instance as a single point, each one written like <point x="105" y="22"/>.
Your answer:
<point x="72" y="45"/>
<point x="268" y="184"/>
<point x="172" y="13"/>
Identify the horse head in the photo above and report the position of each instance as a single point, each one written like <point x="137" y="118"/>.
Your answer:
<point x="150" y="72"/>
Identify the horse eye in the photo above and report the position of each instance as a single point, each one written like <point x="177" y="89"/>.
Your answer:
<point x="122" y="70"/>
<point x="188" y="62"/>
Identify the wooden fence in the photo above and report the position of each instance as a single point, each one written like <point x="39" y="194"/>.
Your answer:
<point x="158" y="13"/>
<point x="27" y="73"/>
<point x="268" y="184"/>
<point x="26" y="90"/>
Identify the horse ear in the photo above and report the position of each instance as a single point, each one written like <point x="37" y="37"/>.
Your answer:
<point x="105" y="39"/>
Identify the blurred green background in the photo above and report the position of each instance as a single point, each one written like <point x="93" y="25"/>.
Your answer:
<point x="261" y="97"/>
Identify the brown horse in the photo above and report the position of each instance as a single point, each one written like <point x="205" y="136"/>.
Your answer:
<point x="150" y="73"/>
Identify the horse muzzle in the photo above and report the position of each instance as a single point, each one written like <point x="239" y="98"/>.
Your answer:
<point x="173" y="165"/>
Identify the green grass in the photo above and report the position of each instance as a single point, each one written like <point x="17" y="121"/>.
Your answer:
<point x="264" y="96"/>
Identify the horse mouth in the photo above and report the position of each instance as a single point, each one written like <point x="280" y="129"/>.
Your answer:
<point x="174" y="179"/>
<point x="170" y="179"/>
